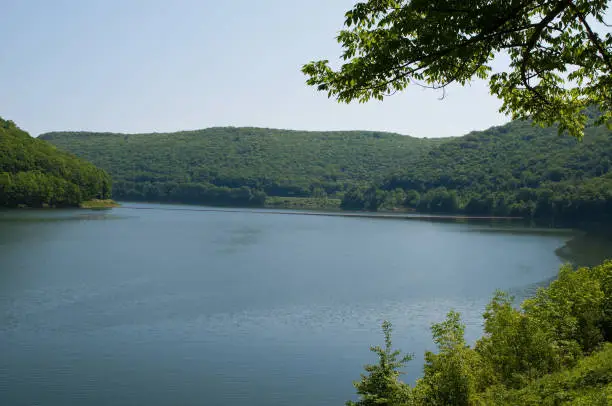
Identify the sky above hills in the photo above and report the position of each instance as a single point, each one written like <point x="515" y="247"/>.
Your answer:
<point x="159" y="65"/>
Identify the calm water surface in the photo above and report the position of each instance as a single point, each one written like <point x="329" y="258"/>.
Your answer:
<point x="178" y="307"/>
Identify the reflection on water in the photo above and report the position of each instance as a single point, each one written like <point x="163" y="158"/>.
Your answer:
<point x="586" y="249"/>
<point x="59" y="215"/>
<point x="522" y="292"/>
<point x="238" y="238"/>
<point x="518" y="229"/>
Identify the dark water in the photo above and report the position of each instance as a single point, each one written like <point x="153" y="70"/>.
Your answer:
<point x="163" y="307"/>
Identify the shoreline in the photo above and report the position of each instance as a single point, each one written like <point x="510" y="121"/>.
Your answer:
<point x="96" y="204"/>
<point x="379" y="215"/>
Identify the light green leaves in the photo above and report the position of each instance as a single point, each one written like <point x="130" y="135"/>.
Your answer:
<point x="559" y="63"/>
<point x="552" y="351"/>
<point x="381" y="384"/>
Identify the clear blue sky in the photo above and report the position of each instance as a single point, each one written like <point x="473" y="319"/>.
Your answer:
<point x="153" y="65"/>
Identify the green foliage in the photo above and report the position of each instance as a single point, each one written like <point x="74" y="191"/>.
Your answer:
<point x="558" y="66"/>
<point x="572" y="308"/>
<point x="554" y="350"/>
<point x="448" y="377"/>
<point x="99" y="204"/>
<point x="393" y="199"/>
<point x="588" y="383"/>
<point x="363" y="198"/>
<point x="34" y="173"/>
<point x="513" y="170"/>
<point x="381" y="385"/>
<point x="515" y="348"/>
<point x="313" y="203"/>
<point x="241" y="166"/>
<point x="439" y="200"/>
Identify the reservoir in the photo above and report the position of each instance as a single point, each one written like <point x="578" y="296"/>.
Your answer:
<point x="170" y="305"/>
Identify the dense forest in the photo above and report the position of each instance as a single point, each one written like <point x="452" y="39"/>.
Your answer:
<point x="513" y="170"/>
<point x="34" y="173"/>
<point x="517" y="170"/>
<point x="242" y="166"/>
<point x="556" y="349"/>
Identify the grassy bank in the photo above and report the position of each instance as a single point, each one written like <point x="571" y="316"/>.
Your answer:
<point x="99" y="204"/>
<point x="306" y="203"/>
<point x="587" y="383"/>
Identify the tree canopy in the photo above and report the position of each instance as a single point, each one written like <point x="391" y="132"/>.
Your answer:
<point x="35" y="173"/>
<point x="241" y="166"/>
<point x="512" y="170"/>
<point x="555" y="349"/>
<point x="559" y="62"/>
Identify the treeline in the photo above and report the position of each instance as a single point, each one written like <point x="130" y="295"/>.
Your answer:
<point x="568" y="203"/>
<point x="228" y="162"/>
<point x="35" y="173"/>
<point x="513" y="170"/>
<point x="554" y="350"/>
<point x="190" y="193"/>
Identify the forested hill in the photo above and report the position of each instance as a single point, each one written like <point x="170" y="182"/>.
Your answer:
<point x="35" y="173"/>
<point x="241" y="166"/>
<point x="512" y="170"/>
<point x="515" y="169"/>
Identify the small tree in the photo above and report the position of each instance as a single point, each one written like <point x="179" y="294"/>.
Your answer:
<point x="449" y="376"/>
<point x="381" y="385"/>
<point x="517" y="348"/>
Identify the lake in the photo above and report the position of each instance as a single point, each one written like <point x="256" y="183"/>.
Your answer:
<point x="175" y="305"/>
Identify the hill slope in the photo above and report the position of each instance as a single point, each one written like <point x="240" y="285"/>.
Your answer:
<point x="240" y="166"/>
<point x="515" y="169"/>
<point x="35" y="173"/>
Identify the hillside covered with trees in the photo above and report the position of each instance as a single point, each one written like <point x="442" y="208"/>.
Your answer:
<point x="35" y="173"/>
<point x="513" y="170"/>
<point x="243" y="166"/>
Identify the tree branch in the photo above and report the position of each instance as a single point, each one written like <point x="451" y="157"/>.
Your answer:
<point x="593" y="37"/>
<point x="485" y="35"/>
<point x="531" y="43"/>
